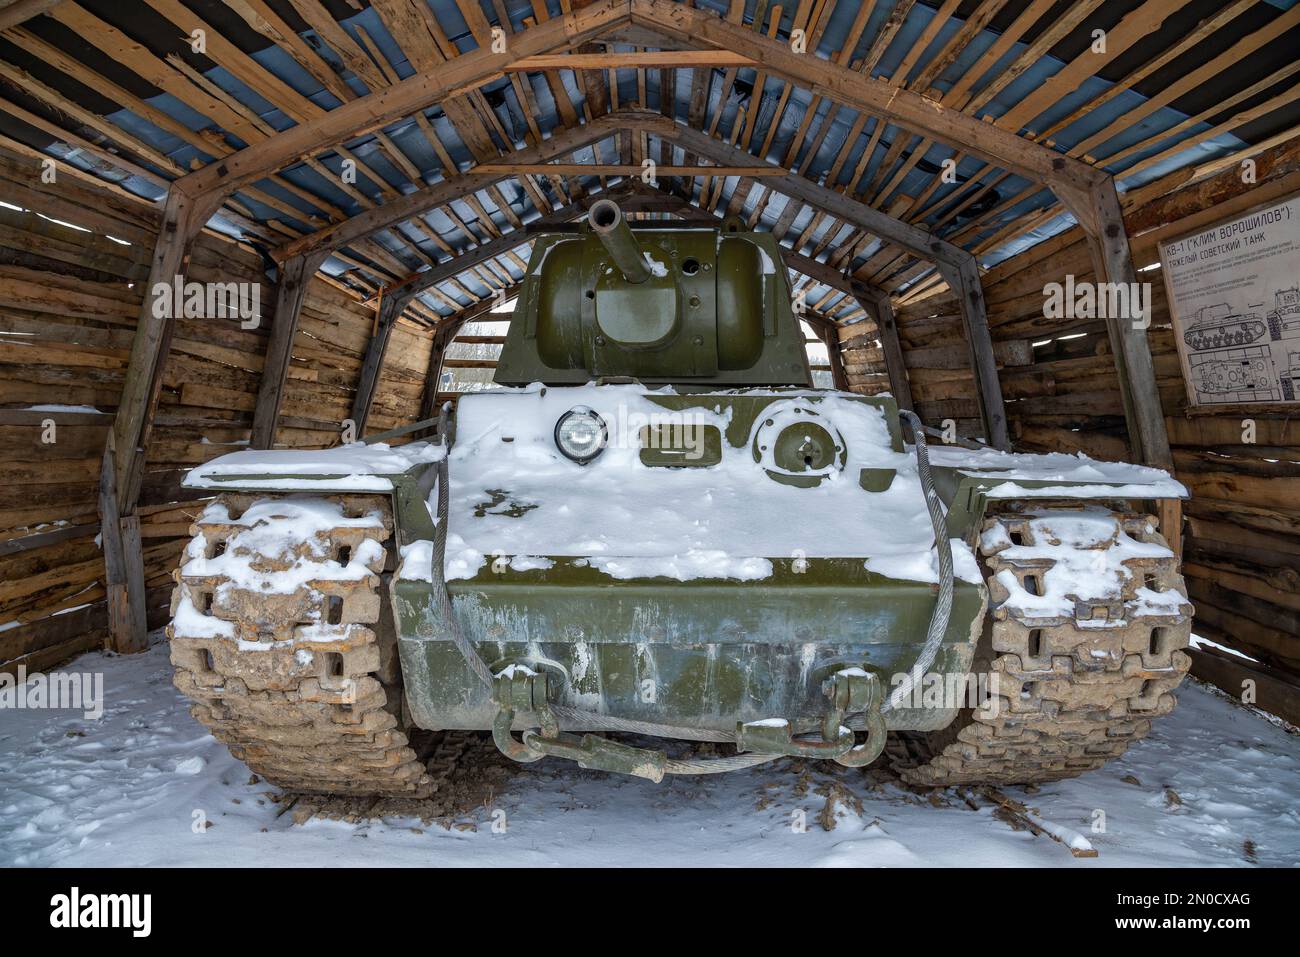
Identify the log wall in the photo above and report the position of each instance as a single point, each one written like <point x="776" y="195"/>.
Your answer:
<point x="69" y="299"/>
<point x="1242" y="531"/>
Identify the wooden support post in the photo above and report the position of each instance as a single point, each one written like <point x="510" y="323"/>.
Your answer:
<point x="182" y="219"/>
<point x="295" y="276"/>
<point x="830" y="335"/>
<point x="878" y="306"/>
<point x="390" y="309"/>
<point x="826" y="331"/>
<point x="595" y="92"/>
<point x="964" y="279"/>
<point x="1099" y="214"/>
<point x="123" y="563"/>
<point x="1170" y="513"/>
<point x="441" y="340"/>
<point x="122" y="469"/>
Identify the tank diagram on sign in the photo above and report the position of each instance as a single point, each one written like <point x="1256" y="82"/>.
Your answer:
<point x="1236" y="375"/>
<point x="1235" y="305"/>
<point x="1231" y="358"/>
<point x="1291" y="377"/>
<point x="1217" y="326"/>
<point x="1284" y="320"/>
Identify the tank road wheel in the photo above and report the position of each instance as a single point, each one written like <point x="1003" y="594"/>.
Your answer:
<point x="1074" y="691"/>
<point x="282" y="638"/>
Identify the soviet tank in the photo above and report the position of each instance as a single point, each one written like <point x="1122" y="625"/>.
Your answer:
<point x="657" y="532"/>
<point x="1218" y="327"/>
<point x="1233" y="375"/>
<point x="1284" y="319"/>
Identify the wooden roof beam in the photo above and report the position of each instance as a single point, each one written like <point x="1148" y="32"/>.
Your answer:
<point x="618" y="169"/>
<point x="438" y="194"/>
<point x="20" y="11"/>
<point x="902" y="107"/>
<point x="912" y="238"/>
<point x="373" y="112"/>
<point x="669" y="59"/>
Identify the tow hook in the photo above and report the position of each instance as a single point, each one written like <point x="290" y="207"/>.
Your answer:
<point x="854" y="691"/>
<point x="519" y="689"/>
<point x="849" y="691"/>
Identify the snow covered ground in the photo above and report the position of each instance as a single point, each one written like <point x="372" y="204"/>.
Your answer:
<point x="1213" y="785"/>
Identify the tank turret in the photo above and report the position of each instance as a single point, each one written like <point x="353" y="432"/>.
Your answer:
<point x="682" y="304"/>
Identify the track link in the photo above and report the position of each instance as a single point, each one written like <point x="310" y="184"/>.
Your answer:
<point x="1074" y="692"/>
<point x="281" y="641"/>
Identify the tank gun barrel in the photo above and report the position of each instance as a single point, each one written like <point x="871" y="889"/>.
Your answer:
<point x="611" y="228"/>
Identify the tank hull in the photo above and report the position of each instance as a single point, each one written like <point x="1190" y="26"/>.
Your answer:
<point x="702" y="654"/>
<point x="649" y="635"/>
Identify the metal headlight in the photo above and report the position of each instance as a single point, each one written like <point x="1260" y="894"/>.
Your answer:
<point x="581" y="435"/>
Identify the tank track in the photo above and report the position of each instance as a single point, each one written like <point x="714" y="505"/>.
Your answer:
<point x="302" y="685"/>
<point x="1074" y="693"/>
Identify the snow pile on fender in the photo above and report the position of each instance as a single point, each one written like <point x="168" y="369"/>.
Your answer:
<point x="356" y="468"/>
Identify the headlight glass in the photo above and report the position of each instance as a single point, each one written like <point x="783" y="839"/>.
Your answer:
<point x="581" y="435"/>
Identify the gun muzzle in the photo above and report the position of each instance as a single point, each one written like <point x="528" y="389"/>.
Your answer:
<point x="615" y="235"/>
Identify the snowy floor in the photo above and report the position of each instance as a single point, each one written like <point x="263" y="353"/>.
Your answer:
<point x="1213" y="785"/>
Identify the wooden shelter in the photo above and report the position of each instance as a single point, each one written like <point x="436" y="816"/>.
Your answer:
<point x="371" y="173"/>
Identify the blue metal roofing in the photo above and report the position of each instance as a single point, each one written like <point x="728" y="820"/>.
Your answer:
<point x="511" y="115"/>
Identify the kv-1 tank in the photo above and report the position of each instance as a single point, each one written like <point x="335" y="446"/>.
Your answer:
<point x="1233" y="375"/>
<point x="1284" y="319"/>
<point x="1218" y="327"/>
<point x="658" y="532"/>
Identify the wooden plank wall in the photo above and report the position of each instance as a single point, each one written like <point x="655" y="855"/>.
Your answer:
<point x="938" y="363"/>
<point x="1242" y="534"/>
<point x="68" y="305"/>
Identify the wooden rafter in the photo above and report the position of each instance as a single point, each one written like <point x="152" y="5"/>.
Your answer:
<point x="902" y="107"/>
<point x="439" y="194"/>
<point x="618" y="169"/>
<point x="19" y="11"/>
<point x="671" y="59"/>
<point x="373" y="112"/>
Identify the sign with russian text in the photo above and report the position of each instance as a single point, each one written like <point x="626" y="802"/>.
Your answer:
<point x="1234" y="297"/>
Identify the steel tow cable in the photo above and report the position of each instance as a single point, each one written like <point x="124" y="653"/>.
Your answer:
<point x="942" y="613"/>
